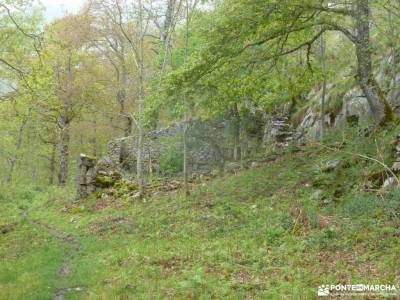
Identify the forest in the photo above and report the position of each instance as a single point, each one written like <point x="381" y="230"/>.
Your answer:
<point x="200" y="149"/>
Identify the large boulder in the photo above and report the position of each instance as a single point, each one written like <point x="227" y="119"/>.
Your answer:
<point x="355" y="110"/>
<point x="310" y="126"/>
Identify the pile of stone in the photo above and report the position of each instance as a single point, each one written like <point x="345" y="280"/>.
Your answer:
<point x="94" y="175"/>
<point x="279" y="131"/>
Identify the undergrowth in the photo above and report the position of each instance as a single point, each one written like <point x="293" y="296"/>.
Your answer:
<point x="233" y="238"/>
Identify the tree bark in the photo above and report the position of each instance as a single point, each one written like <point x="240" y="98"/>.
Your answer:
<point x="139" y="162"/>
<point x="64" y="150"/>
<point x="13" y="160"/>
<point x="52" y="165"/>
<point x="323" y="63"/>
<point x="236" y="133"/>
<point x="380" y="108"/>
<point x="185" y="157"/>
<point x="121" y="98"/>
<point x="169" y="13"/>
<point x="185" y="107"/>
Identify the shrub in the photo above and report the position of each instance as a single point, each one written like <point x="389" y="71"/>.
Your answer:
<point x="367" y="205"/>
<point x="362" y="205"/>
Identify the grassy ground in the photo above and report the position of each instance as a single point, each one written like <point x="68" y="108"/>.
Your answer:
<point x="233" y="238"/>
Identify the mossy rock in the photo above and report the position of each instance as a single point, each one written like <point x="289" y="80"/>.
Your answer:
<point x="133" y="186"/>
<point x="92" y="158"/>
<point x="119" y="184"/>
<point x="116" y="175"/>
<point x="105" y="181"/>
<point x="76" y="209"/>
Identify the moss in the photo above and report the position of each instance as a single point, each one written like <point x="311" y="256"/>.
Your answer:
<point x="89" y="157"/>
<point x="119" y="183"/>
<point x="389" y="116"/>
<point x="105" y="181"/>
<point x="116" y="174"/>
<point x="133" y="186"/>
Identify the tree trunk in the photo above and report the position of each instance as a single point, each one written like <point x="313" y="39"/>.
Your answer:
<point x="323" y="63"/>
<point x="121" y="98"/>
<point x="380" y="108"/>
<point x="185" y="157"/>
<point x="185" y="107"/>
<point x="13" y="160"/>
<point x="236" y="133"/>
<point x="395" y="54"/>
<point x="139" y="159"/>
<point x="64" y="150"/>
<point x="94" y="139"/>
<point x="169" y="13"/>
<point x="52" y="165"/>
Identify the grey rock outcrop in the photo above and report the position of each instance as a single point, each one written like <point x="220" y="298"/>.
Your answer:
<point x="310" y="126"/>
<point x="389" y="184"/>
<point x="355" y="110"/>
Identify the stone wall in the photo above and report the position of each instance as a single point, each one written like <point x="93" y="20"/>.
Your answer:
<point x="205" y="140"/>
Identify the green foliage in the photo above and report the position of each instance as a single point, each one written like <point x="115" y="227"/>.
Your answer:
<point x="171" y="162"/>
<point x="371" y="206"/>
<point x="232" y="238"/>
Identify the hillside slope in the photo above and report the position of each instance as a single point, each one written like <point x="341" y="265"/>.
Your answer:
<point x="237" y="237"/>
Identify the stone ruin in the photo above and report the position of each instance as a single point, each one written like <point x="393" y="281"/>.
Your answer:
<point x="205" y="154"/>
<point x="85" y="178"/>
<point x="281" y="131"/>
<point x="94" y="175"/>
<point x="278" y="131"/>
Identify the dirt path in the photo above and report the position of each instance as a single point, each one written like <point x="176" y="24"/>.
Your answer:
<point x="73" y="246"/>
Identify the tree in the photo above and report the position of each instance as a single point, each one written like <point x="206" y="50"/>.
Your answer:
<point x="19" y="38"/>
<point x="109" y="38"/>
<point x="63" y="54"/>
<point x="135" y="33"/>
<point x="286" y="27"/>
